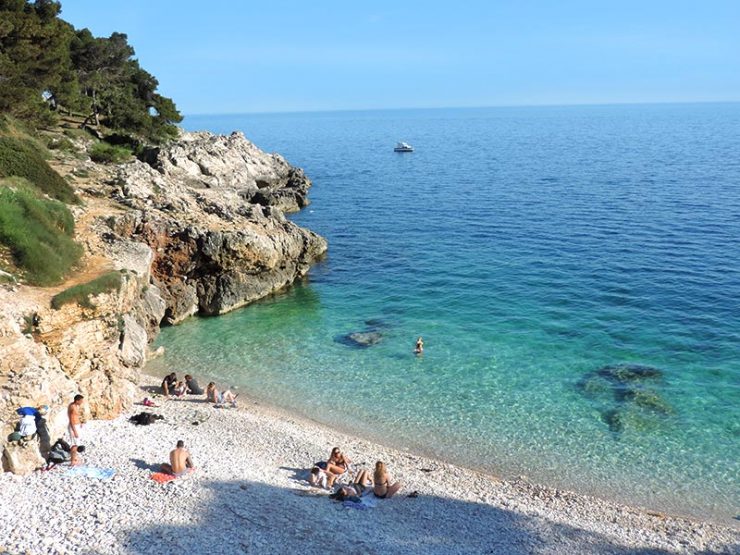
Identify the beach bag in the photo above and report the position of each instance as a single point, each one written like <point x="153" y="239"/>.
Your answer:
<point x="27" y="426"/>
<point x="145" y="418"/>
<point x="60" y="452"/>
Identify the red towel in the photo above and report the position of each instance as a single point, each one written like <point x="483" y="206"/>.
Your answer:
<point x="162" y="478"/>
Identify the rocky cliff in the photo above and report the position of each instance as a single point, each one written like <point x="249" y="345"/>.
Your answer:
<point x="197" y="227"/>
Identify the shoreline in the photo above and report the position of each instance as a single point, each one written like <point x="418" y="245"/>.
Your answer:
<point x="279" y="411"/>
<point x="249" y="492"/>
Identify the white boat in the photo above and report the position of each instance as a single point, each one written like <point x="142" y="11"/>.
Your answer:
<point x="403" y="147"/>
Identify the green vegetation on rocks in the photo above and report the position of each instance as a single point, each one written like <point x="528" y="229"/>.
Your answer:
<point x="21" y="157"/>
<point x="109" y="154"/>
<point x="38" y="232"/>
<point x="82" y="294"/>
<point x="48" y="67"/>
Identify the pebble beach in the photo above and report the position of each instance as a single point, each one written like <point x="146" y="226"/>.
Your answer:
<point x="249" y="494"/>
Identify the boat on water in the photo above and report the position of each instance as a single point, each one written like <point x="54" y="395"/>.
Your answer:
<point x="403" y="147"/>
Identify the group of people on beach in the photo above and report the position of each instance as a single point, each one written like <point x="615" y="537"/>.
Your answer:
<point x="326" y="474"/>
<point x="333" y="473"/>
<point x="172" y="387"/>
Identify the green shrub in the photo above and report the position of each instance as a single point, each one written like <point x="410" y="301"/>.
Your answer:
<point x="20" y="157"/>
<point x="60" y="143"/>
<point x="76" y="133"/>
<point x="38" y="231"/>
<point x="109" y="154"/>
<point x="82" y="294"/>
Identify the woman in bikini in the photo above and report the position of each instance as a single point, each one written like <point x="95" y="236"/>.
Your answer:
<point x="337" y="464"/>
<point x="213" y="396"/>
<point x="383" y="487"/>
<point x="361" y="485"/>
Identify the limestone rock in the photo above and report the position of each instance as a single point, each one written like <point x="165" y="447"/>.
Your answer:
<point x="207" y="161"/>
<point x="214" y="222"/>
<point x="21" y="458"/>
<point x="133" y="342"/>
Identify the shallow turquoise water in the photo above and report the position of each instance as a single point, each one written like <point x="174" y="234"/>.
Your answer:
<point x="530" y="247"/>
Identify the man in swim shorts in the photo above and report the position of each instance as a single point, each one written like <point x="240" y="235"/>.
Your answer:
<point x="180" y="461"/>
<point x="74" y="428"/>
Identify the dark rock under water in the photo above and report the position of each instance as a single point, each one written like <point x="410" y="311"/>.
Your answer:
<point x="360" y="339"/>
<point x="620" y="388"/>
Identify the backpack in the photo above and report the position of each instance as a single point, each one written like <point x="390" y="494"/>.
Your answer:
<point x="60" y="452"/>
<point x="145" y="418"/>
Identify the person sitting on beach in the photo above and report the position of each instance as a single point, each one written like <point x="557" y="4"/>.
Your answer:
<point x="419" y="349"/>
<point x="181" y="389"/>
<point x="361" y="485"/>
<point x="168" y="384"/>
<point x="193" y="386"/>
<point x="180" y="461"/>
<point x="220" y="398"/>
<point x="338" y="463"/>
<point x="383" y="487"/>
<point x="320" y="478"/>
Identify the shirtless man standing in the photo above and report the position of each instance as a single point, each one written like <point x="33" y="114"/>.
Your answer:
<point x="75" y="427"/>
<point x="180" y="461"/>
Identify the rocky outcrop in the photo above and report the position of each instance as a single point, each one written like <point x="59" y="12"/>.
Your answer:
<point x="211" y="208"/>
<point x="196" y="228"/>
<point x="232" y="163"/>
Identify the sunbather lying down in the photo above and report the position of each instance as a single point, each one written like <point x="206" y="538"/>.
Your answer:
<point x="361" y="485"/>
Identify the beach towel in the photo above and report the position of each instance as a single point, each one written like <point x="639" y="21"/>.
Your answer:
<point x="363" y="504"/>
<point x="91" y="472"/>
<point x="162" y="478"/>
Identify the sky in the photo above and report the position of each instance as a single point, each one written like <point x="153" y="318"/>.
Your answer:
<point x="242" y="56"/>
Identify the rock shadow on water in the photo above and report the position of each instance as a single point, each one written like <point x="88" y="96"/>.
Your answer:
<point x="626" y="394"/>
<point x="253" y="517"/>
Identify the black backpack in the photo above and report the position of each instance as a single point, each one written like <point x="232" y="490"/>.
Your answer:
<point x="60" y="452"/>
<point x="145" y="418"/>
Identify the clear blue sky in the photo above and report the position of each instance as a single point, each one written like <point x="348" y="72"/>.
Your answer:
<point x="235" y="56"/>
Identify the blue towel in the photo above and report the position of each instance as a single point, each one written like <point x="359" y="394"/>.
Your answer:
<point x="92" y="472"/>
<point x="366" y="502"/>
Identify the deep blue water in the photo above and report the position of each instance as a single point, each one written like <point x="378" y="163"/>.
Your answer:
<point x="531" y="247"/>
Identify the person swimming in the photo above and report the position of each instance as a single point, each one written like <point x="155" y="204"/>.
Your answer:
<point x="419" y="349"/>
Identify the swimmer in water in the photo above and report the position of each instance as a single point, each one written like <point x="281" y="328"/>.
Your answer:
<point x="419" y="346"/>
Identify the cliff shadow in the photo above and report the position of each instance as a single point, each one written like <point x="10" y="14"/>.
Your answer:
<point x="250" y="517"/>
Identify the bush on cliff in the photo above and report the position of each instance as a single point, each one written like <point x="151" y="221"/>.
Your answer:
<point x="82" y="294"/>
<point x="108" y="154"/>
<point x="38" y="232"/>
<point x="22" y="158"/>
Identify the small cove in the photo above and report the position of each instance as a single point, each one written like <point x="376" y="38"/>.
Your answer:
<point x="531" y="248"/>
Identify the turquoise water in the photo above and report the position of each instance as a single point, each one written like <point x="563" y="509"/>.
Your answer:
<point x="530" y="247"/>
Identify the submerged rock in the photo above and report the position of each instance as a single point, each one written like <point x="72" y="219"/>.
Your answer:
<point x="364" y="338"/>
<point x="625" y="388"/>
<point x="613" y="419"/>
<point x="630" y="372"/>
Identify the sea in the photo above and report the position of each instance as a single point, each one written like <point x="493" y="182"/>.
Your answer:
<point x="574" y="272"/>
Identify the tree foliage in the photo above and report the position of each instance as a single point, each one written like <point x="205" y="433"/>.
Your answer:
<point x="48" y="65"/>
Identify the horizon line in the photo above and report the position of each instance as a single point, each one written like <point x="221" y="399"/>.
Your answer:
<point x="561" y="105"/>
